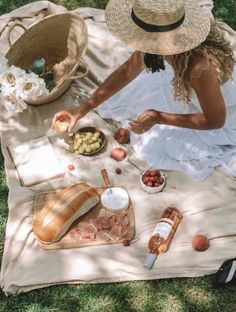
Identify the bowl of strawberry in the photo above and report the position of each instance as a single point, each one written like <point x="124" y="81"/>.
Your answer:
<point x="152" y="181"/>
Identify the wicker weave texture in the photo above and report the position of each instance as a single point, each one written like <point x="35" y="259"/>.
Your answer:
<point x="158" y="13"/>
<point x="61" y="39"/>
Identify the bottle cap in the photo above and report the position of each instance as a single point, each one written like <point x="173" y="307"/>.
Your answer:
<point x="150" y="260"/>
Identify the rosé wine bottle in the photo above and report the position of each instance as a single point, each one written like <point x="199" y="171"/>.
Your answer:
<point x="162" y="234"/>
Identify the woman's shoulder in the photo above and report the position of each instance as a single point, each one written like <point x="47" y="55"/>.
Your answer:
<point x="198" y="64"/>
<point x="208" y="65"/>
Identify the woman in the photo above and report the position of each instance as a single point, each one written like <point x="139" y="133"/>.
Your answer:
<point x="183" y="114"/>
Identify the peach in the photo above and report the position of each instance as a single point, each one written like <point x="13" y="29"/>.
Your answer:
<point x="200" y="242"/>
<point x="122" y="136"/>
<point x="118" y="154"/>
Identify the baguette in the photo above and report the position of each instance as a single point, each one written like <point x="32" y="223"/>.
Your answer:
<point x="57" y="215"/>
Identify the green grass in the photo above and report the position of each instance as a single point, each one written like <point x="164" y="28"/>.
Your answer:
<point x="173" y="295"/>
<point x="226" y="10"/>
<point x="9" y="5"/>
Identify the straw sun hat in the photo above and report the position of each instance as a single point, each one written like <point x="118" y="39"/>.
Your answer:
<point x="164" y="27"/>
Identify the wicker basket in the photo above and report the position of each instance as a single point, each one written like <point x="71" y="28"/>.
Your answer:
<point x="61" y="39"/>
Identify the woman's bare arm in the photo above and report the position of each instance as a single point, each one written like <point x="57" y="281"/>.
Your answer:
<point x="116" y="81"/>
<point x="213" y="114"/>
<point x="208" y="91"/>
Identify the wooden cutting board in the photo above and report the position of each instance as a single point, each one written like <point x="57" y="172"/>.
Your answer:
<point x="68" y="240"/>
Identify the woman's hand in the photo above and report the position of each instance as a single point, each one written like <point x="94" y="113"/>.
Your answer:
<point x="145" y="121"/>
<point x="64" y="121"/>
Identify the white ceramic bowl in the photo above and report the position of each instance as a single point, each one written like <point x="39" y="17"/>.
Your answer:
<point x="152" y="189"/>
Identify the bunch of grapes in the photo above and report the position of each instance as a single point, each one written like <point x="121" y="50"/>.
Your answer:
<point x="85" y="142"/>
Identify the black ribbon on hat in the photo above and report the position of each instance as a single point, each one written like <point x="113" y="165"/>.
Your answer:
<point x="155" y="28"/>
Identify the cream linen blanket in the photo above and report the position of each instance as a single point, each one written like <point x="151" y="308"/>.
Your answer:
<point x="208" y="207"/>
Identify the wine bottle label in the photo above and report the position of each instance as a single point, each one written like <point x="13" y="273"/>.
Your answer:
<point x="167" y="220"/>
<point x="163" y="229"/>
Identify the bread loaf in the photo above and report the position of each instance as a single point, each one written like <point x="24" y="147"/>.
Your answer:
<point x="56" y="215"/>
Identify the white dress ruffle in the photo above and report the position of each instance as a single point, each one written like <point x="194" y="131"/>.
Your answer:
<point x="194" y="152"/>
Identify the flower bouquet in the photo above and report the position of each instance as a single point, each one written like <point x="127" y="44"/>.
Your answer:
<point x="18" y="86"/>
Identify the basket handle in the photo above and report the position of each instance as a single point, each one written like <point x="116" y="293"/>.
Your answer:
<point x="85" y="72"/>
<point x="11" y="29"/>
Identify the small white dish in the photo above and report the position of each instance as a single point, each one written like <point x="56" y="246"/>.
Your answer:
<point x="153" y="189"/>
<point x="115" y="199"/>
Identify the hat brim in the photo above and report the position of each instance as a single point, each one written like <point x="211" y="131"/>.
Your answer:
<point x="187" y="36"/>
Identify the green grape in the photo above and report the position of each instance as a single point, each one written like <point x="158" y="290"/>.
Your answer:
<point x="81" y="150"/>
<point x="94" y="138"/>
<point x="88" y="149"/>
<point x="77" y="135"/>
<point x="97" y="144"/>
<point x="93" y="147"/>
<point x="79" y="142"/>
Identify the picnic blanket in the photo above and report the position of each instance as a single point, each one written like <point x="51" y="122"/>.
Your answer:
<point x="208" y="207"/>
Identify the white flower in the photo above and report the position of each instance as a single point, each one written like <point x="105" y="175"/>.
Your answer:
<point x="30" y="86"/>
<point x="16" y="87"/>
<point x="10" y="75"/>
<point x="11" y="102"/>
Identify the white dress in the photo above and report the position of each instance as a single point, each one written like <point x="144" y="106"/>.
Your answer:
<point x="194" y="152"/>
